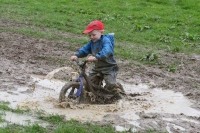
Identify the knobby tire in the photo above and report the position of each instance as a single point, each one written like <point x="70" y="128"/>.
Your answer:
<point x="67" y="87"/>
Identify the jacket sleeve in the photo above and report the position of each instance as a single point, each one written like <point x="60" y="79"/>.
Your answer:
<point x="106" y="51"/>
<point x="84" y="51"/>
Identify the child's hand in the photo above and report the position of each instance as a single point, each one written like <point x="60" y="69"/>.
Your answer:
<point x="73" y="57"/>
<point x="92" y="58"/>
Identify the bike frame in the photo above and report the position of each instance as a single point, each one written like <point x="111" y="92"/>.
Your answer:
<point x="93" y="85"/>
<point x="82" y="76"/>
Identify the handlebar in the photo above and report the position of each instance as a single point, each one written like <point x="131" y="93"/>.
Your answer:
<point x="81" y="64"/>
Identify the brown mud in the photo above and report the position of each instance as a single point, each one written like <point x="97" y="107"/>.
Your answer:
<point x="23" y="56"/>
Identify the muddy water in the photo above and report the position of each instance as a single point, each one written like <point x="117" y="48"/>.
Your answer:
<point x="161" y="101"/>
<point x="22" y="119"/>
<point x="43" y="95"/>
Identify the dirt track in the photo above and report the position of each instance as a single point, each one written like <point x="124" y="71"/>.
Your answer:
<point x="22" y="56"/>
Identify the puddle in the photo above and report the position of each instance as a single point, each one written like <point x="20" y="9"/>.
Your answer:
<point x="193" y="121"/>
<point x="121" y="129"/>
<point x="21" y="119"/>
<point x="175" y="127"/>
<point x="44" y="93"/>
<point x="161" y="101"/>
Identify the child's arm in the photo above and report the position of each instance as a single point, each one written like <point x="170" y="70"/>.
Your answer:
<point x="84" y="51"/>
<point x="107" y="50"/>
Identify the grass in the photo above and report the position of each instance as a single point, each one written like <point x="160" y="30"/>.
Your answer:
<point x="74" y="126"/>
<point x="169" y="25"/>
<point x="71" y="126"/>
<point x="52" y="118"/>
<point x="14" y="128"/>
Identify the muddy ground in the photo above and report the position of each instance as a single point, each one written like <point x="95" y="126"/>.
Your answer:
<point x="22" y="56"/>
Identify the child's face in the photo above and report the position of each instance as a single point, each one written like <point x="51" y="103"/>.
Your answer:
<point x="95" y="35"/>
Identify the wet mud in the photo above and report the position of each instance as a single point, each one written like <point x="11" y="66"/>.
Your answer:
<point x="158" y="99"/>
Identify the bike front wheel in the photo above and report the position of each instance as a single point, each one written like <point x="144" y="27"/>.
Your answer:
<point x="68" y="91"/>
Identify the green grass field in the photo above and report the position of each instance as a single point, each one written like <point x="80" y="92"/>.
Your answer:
<point x="139" y="26"/>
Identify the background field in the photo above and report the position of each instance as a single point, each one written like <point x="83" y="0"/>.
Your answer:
<point x="141" y="27"/>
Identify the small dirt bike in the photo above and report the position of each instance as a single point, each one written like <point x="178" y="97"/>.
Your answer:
<point x="89" y="89"/>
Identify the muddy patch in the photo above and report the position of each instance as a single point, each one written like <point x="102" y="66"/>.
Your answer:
<point x="143" y="105"/>
<point x="159" y="99"/>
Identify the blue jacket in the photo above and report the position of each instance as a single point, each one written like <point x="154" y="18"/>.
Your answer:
<point x="103" y="50"/>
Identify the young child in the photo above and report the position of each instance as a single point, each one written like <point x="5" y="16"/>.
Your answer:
<point x="101" y="50"/>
